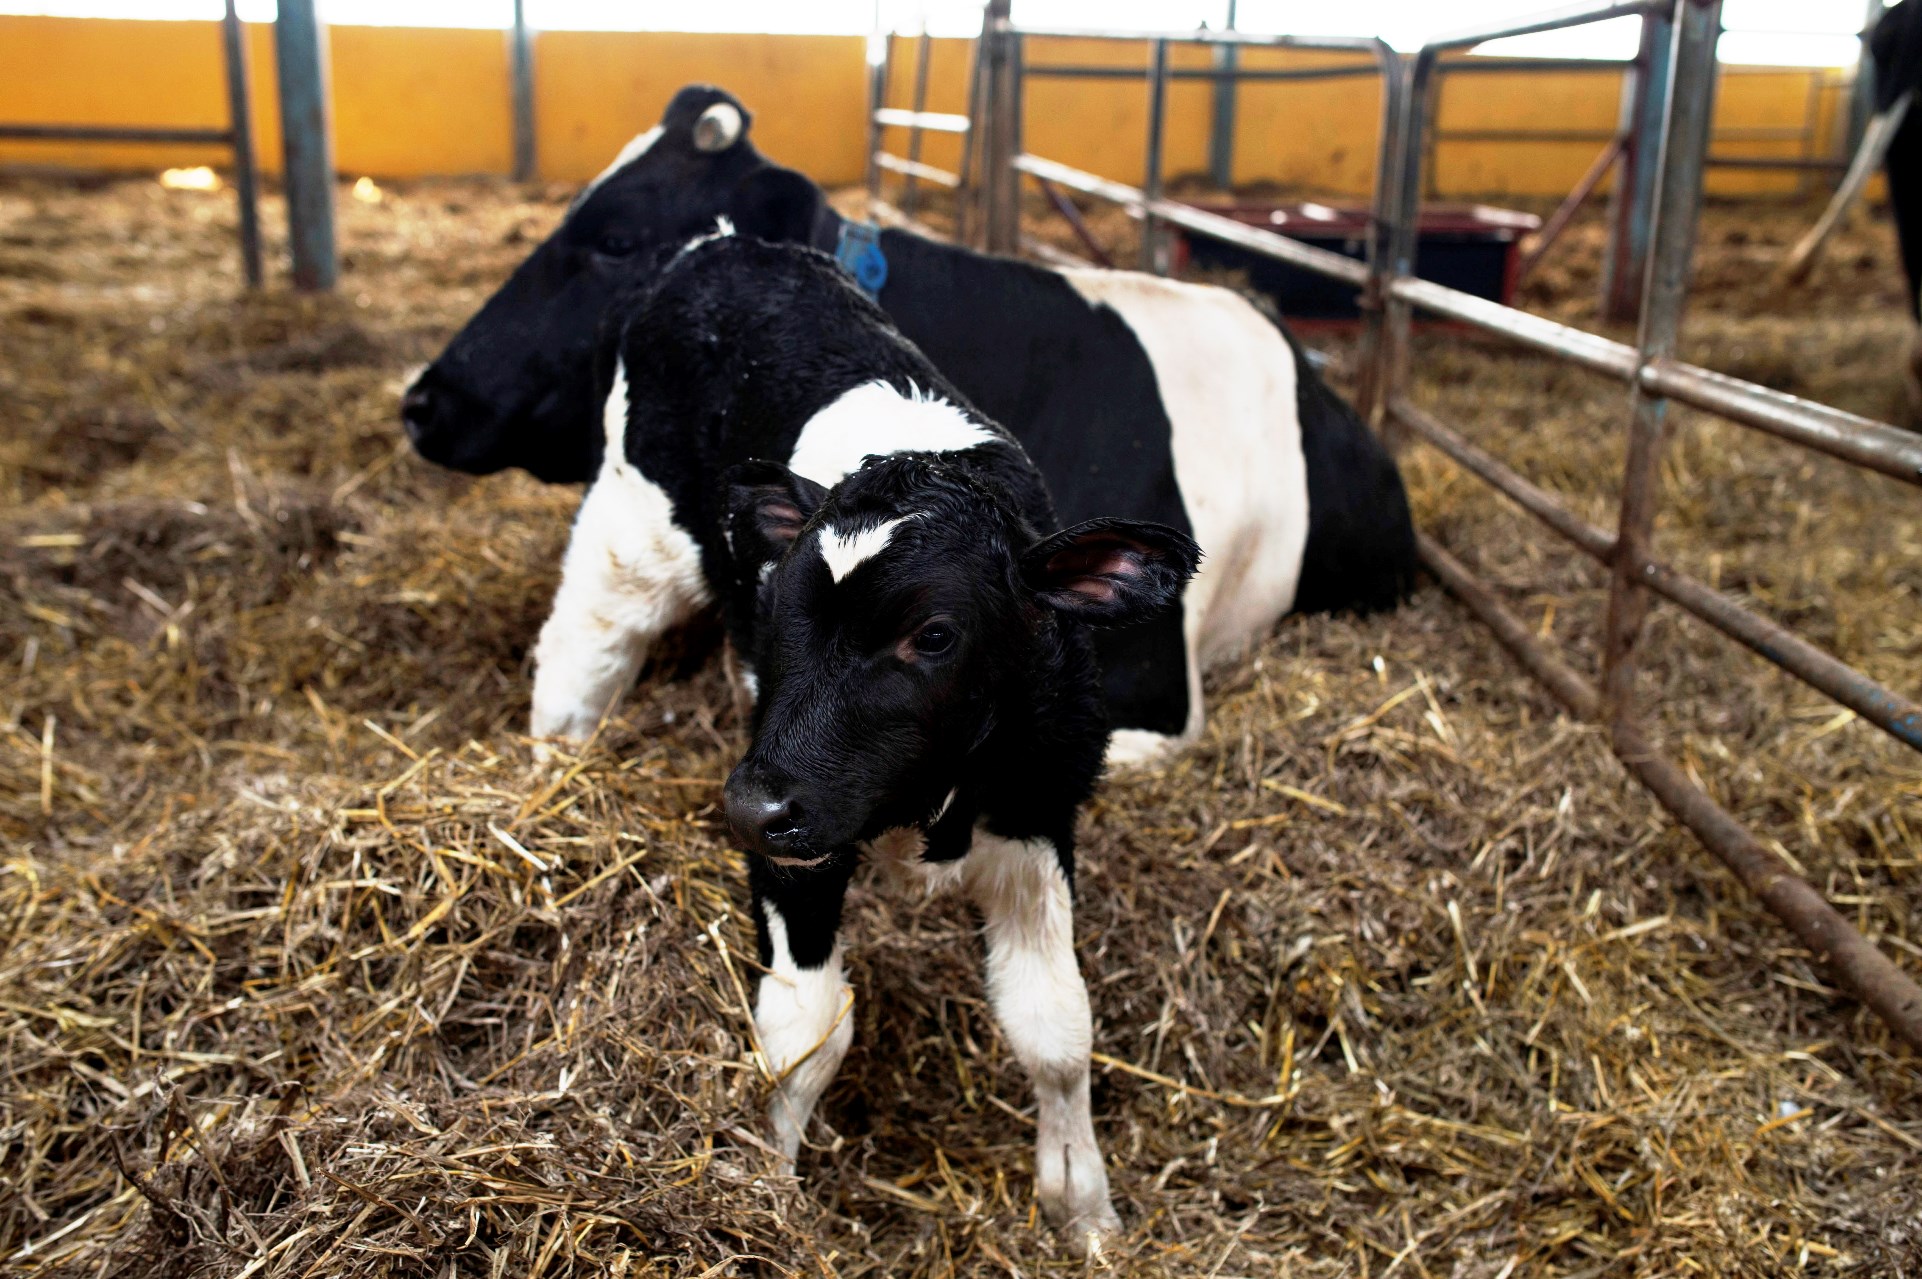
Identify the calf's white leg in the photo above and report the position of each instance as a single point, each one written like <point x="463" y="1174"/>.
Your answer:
<point x="1042" y="1005"/>
<point x="630" y="574"/>
<point x="804" y="1018"/>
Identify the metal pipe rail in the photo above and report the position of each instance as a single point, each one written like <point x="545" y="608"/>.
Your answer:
<point x="1188" y="217"/>
<point x="916" y="169"/>
<point x="934" y="121"/>
<point x="238" y="137"/>
<point x="1889" y="711"/>
<point x="1005" y="159"/>
<point x="1655" y="378"/>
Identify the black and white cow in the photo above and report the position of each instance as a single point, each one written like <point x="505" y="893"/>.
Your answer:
<point x="889" y="566"/>
<point x="1134" y="395"/>
<point x="1895" y="49"/>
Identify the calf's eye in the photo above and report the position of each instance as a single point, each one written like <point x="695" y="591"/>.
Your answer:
<point x="934" y="639"/>
<point x="613" y="244"/>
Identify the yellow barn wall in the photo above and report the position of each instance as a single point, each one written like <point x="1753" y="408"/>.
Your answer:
<point x="595" y="90"/>
<point x="413" y="102"/>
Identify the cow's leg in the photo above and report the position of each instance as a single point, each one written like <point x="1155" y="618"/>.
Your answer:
<point x="630" y="574"/>
<point x="804" y="1012"/>
<point x="1042" y="1005"/>
<point x="1151" y="682"/>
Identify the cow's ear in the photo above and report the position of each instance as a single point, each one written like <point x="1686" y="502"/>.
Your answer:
<point x="776" y="204"/>
<point x="767" y="505"/>
<point x="1110" y="572"/>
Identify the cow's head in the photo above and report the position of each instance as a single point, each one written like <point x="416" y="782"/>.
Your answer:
<point x="900" y="616"/>
<point x="516" y="386"/>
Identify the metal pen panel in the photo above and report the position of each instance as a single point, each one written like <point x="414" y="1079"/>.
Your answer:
<point x="307" y="144"/>
<point x="1153" y="257"/>
<point x="240" y="124"/>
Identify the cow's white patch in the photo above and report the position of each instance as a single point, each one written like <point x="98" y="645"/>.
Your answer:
<point x="1041" y="1003"/>
<point x="874" y="420"/>
<point x="803" y="1017"/>
<point x="845" y="552"/>
<point x="637" y="146"/>
<point x="1228" y="383"/>
<point x="630" y="574"/>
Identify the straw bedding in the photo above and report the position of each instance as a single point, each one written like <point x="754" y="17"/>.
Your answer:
<point x="310" y="970"/>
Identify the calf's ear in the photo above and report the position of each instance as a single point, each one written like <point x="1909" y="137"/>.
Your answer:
<point x="776" y="204"/>
<point x="766" y="506"/>
<point x="1110" y="572"/>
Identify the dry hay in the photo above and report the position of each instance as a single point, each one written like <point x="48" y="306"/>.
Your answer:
<point x="310" y="971"/>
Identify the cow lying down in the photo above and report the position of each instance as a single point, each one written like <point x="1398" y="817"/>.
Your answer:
<point x="888" y="567"/>
<point x="1133" y="395"/>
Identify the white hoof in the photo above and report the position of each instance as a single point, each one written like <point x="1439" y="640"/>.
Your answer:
<point x="1134" y="747"/>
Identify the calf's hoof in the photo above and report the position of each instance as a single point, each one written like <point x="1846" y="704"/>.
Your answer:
<point x="1091" y="1232"/>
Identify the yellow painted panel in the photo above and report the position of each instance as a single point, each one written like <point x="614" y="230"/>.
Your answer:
<point x="595" y="90"/>
<point x="105" y="72"/>
<point x="412" y="101"/>
<point x="417" y="102"/>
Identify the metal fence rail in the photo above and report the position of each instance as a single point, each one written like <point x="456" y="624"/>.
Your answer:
<point x="237" y="136"/>
<point x="1669" y="118"/>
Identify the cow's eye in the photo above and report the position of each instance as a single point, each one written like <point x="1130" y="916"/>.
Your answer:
<point x="613" y="244"/>
<point x="934" y="639"/>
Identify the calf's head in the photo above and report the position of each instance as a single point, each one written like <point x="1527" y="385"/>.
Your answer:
<point x="901" y="618"/>
<point x="516" y="385"/>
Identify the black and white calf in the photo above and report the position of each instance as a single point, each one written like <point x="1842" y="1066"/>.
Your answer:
<point x="1133" y="395"/>
<point x="889" y="566"/>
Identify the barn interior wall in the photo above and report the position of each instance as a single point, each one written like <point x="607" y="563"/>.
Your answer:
<point x="418" y="102"/>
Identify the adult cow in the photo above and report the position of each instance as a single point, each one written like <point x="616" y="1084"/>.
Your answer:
<point x="1163" y="401"/>
<point x="1895" y="48"/>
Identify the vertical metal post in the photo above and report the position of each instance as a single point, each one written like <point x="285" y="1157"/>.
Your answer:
<point x="1221" y="136"/>
<point x="911" y="195"/>
<point x="1632" y="207"/>
<point x="880" y="56"/>
<point x="1401" y="197"/>
<point x="1862" y="92"/>
<point x="307" y="144"/>
<point x="1001" y="183"/>
<point x="1678" y="201"/>
<point x="1152" y="256"/>
<point x="1382" y="214"/>
<point x="968" y="194"/>
<point x="240" y="122"/>
<point x="521" y="65"/>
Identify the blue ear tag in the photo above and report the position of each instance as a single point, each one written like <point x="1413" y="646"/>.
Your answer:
<point x="858" y="250"/>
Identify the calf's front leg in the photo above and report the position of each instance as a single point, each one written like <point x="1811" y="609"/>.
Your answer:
<point x="804" y="1011"/>
<point x="630" y="574"/>
<point x="1041" y="1003"/>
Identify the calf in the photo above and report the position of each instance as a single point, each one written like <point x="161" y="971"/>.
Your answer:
<point x="926" y="691"/>
<point x="1133" y="395"/>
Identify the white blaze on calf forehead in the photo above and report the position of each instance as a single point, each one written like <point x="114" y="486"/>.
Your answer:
<point x="847" y="551"/>
<point x="636" y="147"/>
<point x="874" y="420"/>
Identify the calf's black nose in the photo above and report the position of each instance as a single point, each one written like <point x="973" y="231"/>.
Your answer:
<point x="766" y="819"/>
<point x="418" y="407"/>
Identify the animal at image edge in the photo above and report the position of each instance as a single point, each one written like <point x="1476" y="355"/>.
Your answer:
<point x="1133" y="395"/>
<point x="1895" y="49"/>
<point x="916" y="630"/>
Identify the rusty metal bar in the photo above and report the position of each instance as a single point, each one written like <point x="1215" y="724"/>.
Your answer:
<point x="1860" y="441"/>
<point x="1254" y="239"/>
<point x="1079" y="225"/>
<point x="1590" y="350"/>
<point x="1894" y="714"/>
<point x="1565" y="212"/>
<point x="1686" y="119"/>
<point x="1835" y="944"/>
<point x="1068" y="71"/>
